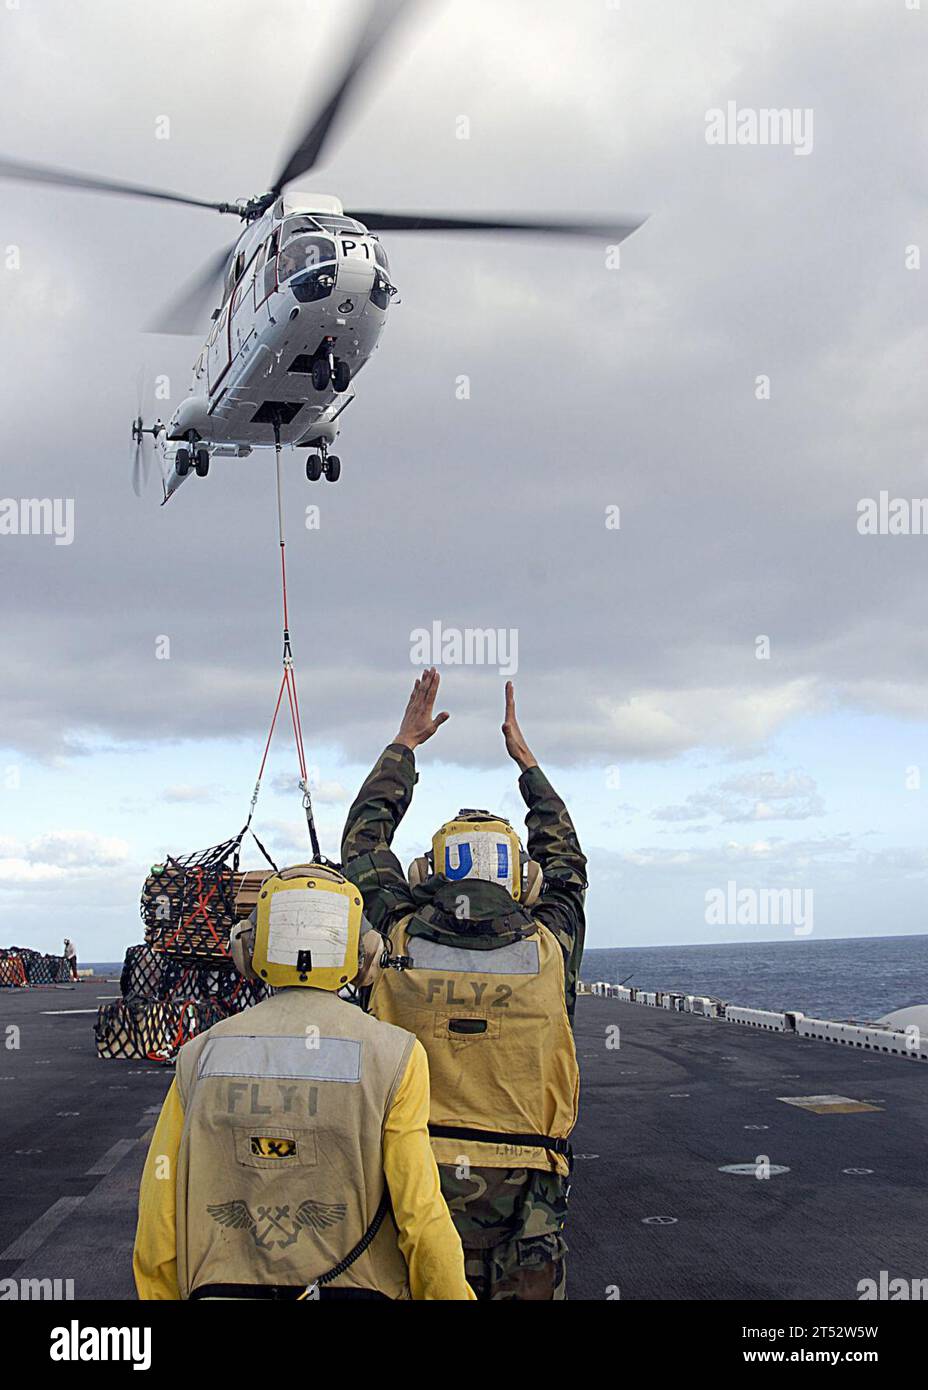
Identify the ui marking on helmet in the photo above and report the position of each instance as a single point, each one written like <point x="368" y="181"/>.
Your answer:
<point x="465" y="861"/>
<point x="469" y="646"/>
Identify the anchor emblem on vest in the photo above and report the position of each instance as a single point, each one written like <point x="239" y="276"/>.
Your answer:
<point x="274" y="1227"/>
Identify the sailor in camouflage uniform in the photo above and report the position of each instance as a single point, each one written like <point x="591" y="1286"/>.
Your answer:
<point x="508" y="1072"/>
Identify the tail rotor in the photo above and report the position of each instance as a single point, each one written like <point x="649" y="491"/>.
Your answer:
<point x="144" y="438"/>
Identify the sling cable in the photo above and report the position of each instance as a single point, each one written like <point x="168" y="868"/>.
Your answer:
<point x="288" y="687"/>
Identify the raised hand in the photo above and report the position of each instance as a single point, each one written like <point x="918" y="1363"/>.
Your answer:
<point x="418" y="722"/>
<point x="516" y="746"/>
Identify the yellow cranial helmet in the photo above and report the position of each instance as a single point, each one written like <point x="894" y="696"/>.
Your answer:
<point x="477" y="844"/>
<point x="305" y="930"/>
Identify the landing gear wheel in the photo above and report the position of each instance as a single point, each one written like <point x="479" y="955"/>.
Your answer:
<point x="333" y="468"/>
<point x="321" y="374"/>
<point x="202" y="462"/>
<point x="182" y="462"/>
<point x="341" y="378"/>
<point x="314" y="467"/>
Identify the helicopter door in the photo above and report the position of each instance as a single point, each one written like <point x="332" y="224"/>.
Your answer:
<point x="243" y="310"/>
<point x="217" y="350"/>
<point x="267" y="283"/>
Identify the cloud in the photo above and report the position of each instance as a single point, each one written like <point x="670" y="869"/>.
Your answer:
<point x="58" y="857"/>
<point x="324" y="792"/>
<point x="589" y="388"/>
<point x="183" y="794"/>
<point x="760" y="796"/>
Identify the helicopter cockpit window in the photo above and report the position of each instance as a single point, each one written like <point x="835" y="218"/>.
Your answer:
<point x="232" y="275"/>
<point x="308" y="266"/>
<point x="382" y="290"/>
<point x="339" y="224"/>
<point x="296" y="226"/>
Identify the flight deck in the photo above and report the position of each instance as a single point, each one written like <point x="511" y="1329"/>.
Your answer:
<point x="653" y="1214"/>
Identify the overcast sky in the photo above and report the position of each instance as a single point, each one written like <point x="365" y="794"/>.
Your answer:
<point x="752" y="371"/>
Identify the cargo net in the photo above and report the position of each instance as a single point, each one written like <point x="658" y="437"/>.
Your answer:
<point x="48" y="970"/>
<point x="12" y="970"/>
<point x="141" y="973"/>
<point x="167" y="1002"/>
<point x="151" y="1030"/>
<point x="188" y="904"/>
<point x="227" y="989"/>
<point x="21" y="966"/>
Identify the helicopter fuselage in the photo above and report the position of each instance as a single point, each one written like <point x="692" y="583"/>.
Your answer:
<point x="306" y="290"/>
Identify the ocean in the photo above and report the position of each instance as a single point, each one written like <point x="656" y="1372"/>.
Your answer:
<point x="860" y="977"/>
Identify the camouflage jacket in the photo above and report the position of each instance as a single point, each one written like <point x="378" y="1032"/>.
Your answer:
<point x="494" y="918"/>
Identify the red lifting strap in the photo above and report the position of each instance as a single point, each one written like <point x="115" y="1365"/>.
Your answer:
<point x="288" y="683"/>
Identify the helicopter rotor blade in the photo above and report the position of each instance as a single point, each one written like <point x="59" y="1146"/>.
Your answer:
<point x="138" y="437"/>
<point x="141" y="459"/>
<point x="304" y="155"/>
<point x="415" y="222"/>
<point x="186" y="311"/>
<point x="136" y="469"/>
<point x="26" y="172"/>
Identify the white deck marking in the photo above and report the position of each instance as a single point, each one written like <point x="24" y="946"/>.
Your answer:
<point x="48" y="1013"/>
<point x="108" y="1161"/>
<point x="37" y="1234"/>
<point x="829" y="1105"/>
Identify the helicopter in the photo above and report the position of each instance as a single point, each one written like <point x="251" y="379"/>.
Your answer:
<point x="303" y="296"/>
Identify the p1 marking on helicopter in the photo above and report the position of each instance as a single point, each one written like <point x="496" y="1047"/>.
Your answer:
<point x="304" y="296"/>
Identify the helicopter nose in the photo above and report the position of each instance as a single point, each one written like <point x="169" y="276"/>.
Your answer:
<point x="354" y="283"/>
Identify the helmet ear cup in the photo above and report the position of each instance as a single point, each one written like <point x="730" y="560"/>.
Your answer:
<point x="242" y="945"/>
<point x="532" y="882"/>
<point x="419" y="870"/>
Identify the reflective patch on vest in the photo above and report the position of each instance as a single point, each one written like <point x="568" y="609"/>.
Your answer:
<point x="328" y="1059"/>
<point x="519" y="958"/>
<point x="275" y="1147"/>
<point x="264" y="1146"/>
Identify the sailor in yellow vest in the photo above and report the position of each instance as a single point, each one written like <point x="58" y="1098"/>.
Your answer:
<point x="478" y="955"/>
<point x="291" y="1158"/>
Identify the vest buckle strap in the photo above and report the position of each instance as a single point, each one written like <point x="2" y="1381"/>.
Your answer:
<point x="277" y="1292"/>
<point x="489" y="1136"/>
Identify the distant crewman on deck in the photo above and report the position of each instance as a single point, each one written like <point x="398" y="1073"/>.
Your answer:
<point x="70" y="955"/>
<point x="291" y="1158"/>
<point x="478" y="954"/>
